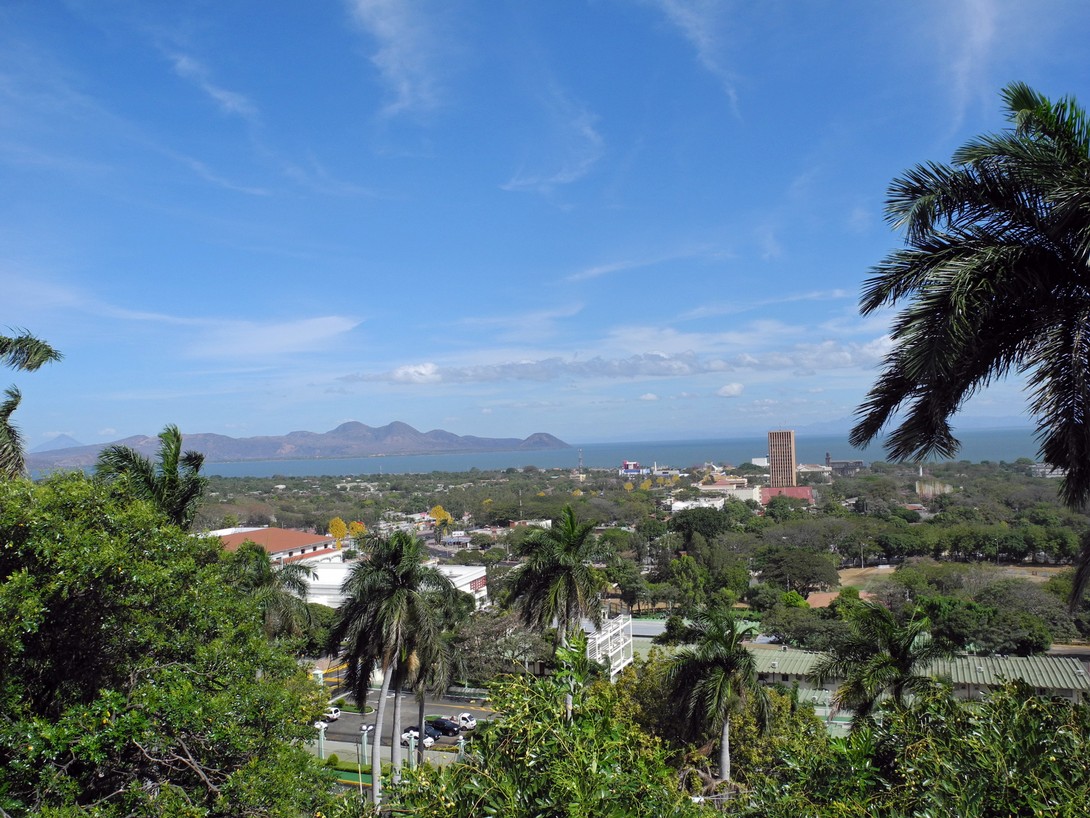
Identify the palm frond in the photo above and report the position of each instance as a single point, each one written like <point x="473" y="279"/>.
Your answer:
<point x="26" y="352"/>
<point x="12" y="459"/>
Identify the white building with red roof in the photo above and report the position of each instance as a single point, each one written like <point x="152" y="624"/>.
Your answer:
<point x="283" y="544"/>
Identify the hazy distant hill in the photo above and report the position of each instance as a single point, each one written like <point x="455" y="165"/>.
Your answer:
<point x="350" y="439"/>
<point x="59" y="442"/>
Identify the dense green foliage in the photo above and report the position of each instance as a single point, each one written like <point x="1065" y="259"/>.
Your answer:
<point x="535" y="761"/>
<point x="1013" y="754"/>
<point x="135" y="681"/>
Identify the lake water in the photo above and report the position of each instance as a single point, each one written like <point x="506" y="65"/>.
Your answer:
<point x="994" y="445"/>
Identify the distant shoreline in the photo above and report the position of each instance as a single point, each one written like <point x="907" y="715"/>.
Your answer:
<point x="977" y="446"/>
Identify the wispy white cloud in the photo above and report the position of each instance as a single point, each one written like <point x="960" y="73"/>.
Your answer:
<point x="203" y="337"/>
<point x="229" y="102"/>
<point x="232" y="340"/>
<point x="203" y="171"/>
<point x="599" y="270"/>
<point x="313" y="175"/>
<point x="574" y="147"/>
<point x="407" y="52"/>
<point x="733" y="308"/>
<point x="730" y="390"/>
<point x="700" y="22"/>
<point x="649" y="396"/>
<point x="516" y="326"/>
<point x="769" y="243"/>
<point x="970" y="36"/>
<point x="605" y="269"/>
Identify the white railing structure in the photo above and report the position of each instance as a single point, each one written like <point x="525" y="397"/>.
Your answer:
<point x="611" y="644"/>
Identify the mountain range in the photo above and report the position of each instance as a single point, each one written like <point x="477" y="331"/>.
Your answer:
<point x="350" y="439"/>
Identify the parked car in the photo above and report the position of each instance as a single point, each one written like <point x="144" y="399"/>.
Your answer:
<point x="446" y="726"/>
<point x="331" y="714"/>
<point x="430" y="735"/>
<point x="465" y="721"/>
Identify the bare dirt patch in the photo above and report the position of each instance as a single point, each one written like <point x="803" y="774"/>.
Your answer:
<point x="1034" y="573"/>
<point x="863" y="578"/>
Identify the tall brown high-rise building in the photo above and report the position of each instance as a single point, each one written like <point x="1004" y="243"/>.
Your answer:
<point x="781" y="459"/>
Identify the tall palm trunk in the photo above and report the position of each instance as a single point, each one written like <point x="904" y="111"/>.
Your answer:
<point x="420" y="721"/>
<point x="395" y="737"/>
<point x="562" y="642"/>
<point x="724" y="750"/>
<point x="376" y="751"/>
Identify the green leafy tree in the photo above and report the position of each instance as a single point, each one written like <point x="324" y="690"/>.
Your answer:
<point x="533" y="761"/>
<point x="556" y="585"/>
<point x="712" y="678"/>
<point x="27" y="353"/>
<point x="389" y="621"/>
<point x="133" y="680"/>
<point x="880" y="656"/>
<point x="797" y="569"/>
<point x="992" y="275"/>
<point x="174" y="484"/>
<point x="690" y="579"/>
<point x="494" y="642"/>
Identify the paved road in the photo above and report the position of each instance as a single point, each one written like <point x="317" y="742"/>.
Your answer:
<point x="342" y="736"/>
<point x="648" y="627"/>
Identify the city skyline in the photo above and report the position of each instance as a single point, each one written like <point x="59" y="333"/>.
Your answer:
<point x="623" y="220"/>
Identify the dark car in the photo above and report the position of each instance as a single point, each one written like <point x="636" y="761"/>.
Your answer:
<point x="445" y="726"/>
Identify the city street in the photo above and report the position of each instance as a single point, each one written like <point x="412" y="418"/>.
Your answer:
<point x="343" y="735"/>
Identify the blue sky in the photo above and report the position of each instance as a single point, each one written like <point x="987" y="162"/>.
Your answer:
<point x="608" y="220"/>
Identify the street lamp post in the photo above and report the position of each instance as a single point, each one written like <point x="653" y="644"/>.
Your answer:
<point x="361" y="752"/>
<point x="321" y="725"/>
<point x="412" y="750"/>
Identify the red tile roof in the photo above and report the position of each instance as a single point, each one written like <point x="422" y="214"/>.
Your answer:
<point x="798" y="492"/>
<point x="276" y="540"/>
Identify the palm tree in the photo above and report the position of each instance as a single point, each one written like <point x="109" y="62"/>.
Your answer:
<point x="280" y="591"/>
<point x="998" y="244"/>
<point x="557" y="585"/>
<point x="881" y="656"/>
<point x="173" y="485"/>
<point x="27" y="353"/>
<point x="390" y="619"/>
<point x="713" y="676"/>
<point x="12" y="457"/>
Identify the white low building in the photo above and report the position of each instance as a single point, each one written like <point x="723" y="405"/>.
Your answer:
<point x="325" y="585"/>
